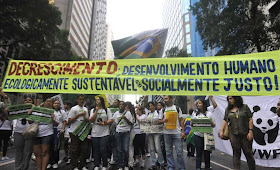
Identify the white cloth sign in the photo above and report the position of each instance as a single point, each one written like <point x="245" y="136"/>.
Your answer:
<point x="266" y="144"/>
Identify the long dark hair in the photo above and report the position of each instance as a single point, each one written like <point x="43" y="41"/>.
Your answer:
<point x="131" y="108"/>
<point x="204" y="109"/>
<point x="102" y="103"/>
<point x="238" y="102"/>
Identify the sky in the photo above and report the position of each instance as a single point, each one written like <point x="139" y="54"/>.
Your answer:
<point x="129" y="17"/>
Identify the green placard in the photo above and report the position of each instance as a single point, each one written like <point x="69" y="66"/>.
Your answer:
<point x="18" y="111"/>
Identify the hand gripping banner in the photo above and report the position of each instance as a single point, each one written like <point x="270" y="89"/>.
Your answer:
<point x="248" y="74"/>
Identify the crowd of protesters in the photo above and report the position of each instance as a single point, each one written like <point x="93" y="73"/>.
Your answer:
<point x="115" y="137"/>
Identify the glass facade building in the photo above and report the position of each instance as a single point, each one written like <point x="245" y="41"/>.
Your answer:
<point x="176" y="17"/>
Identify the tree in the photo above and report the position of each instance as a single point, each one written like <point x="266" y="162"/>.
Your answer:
<point x="235" y="26"/>
<point x="29" y="29"/>
<point x="175" y="52"/>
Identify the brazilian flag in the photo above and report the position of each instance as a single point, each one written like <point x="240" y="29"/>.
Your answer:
<point x="147" y="44"/>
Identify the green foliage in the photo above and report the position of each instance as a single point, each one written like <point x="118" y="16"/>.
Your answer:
<point x="29" y="31"/>
<point x="235" y="26"/>
<point x="175" y="52"/>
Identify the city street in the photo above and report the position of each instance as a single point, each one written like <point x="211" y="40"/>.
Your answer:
<point x="218" y="162"/>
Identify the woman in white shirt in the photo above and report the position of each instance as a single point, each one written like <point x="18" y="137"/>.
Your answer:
<point x="23" y="147"/>
<point x="6" y="127"/>
<point x="101" y="118"/>
<point x="41" y="144"/>
<point x="201" y="113"/>
<point x="139" y="141"/>
<point x="60" y="117"/>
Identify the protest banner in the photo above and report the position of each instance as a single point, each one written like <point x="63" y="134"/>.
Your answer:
<point x="149" y="125"/>
<point x="18" y="111"/>
<point x="209" y="142"/>
<point x="82" y="130"/>
<point x="41" y="114"/>
<point x="202" y="125"/>
<point x="248" y="74"/>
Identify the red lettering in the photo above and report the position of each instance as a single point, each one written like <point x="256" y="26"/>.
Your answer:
<point x="78" y="67"/>
<point x="19" y="68"/>
<point x="40" y="67"/>
<point x="48" y="70"/>
<point x="101" y="64"/>
<point x="68" y="68"/>
<point x="54" y="67"/>
<point x="87" y="67"/>
<point x="23" y="68"/>
<point x="32" y="69"/>
<point x="13" y="68"/>
<point x="112" y="63"/>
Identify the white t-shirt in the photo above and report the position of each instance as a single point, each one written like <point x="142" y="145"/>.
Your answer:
<point x="137" y="124"/>
<point x="200" y="116"/>
<point x="178" y="127"/>
<point x="19" y="128"/>
<point x="100" y="130"/>
<point x="74" y="111"/>
<point x="6" y="125"/>
<point x="123" y="126"/>
<point x="45" y="129"/>
<point x="60" y="116"/>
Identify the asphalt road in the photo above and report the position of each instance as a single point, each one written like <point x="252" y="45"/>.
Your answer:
<point x="219" y="161"/>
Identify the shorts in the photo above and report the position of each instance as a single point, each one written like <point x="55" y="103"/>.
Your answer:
<point x="45" y="140"/>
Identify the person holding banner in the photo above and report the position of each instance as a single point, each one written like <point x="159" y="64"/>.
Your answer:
<point x="23" y="147"/>
<point x="201" y="113"/>
<point x="60" y="118"/>
<point x="239" y="117"/>
<point x="154" y="138"/>
<point x="79" y="148"/>
<point x="123" y="119"/>
<point x="101" y="118"/>
<point x="6" y="126"/>
<point x="41" y="144"/>
<point x="139" y="141"/>
<point x="174" y="132"/>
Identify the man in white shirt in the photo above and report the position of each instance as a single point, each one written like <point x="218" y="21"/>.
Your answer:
<point x="78" y="148"/>
<point x="174" y="132"/>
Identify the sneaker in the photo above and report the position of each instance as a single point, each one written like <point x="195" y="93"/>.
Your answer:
<point x="55" y="166"/>
<point x="76" y="169"/>
<point x="68" y="162"/>
<point x="153" y="168"/>
<point x="87" y="160"/>
<point x="65" y="159"/>
<point x="162" y="167"/>
<point x="126" y="168"/>
<point x="84" y="168"/>
<point x="148" y="155"/>
<point x="92" y="159"/>
<point x="135" y="162"/>
<point x="143" y="164"/>
<point x="104" y="168"/>
<point x="202" y="164"/>
<point x="49" y="166"/>
<point x="120" y="169"/>
<point x="112" y="162"/>
<point x="33" y="158"/>
<point x="96" y="168"/>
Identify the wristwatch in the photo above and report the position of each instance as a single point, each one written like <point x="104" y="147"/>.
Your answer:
<point x="250" y="129"/>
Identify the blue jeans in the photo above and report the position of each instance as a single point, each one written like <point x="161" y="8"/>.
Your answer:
<point x="122" y="139"/>
<point x="199" y="146"/>
<point x="175" y="139"/>
<point x="154" y="145"/>
<point x="99" y="145"/>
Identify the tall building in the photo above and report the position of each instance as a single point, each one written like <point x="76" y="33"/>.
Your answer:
<point x="176" y="17"/>
<point x="86" y="22"/>
<point x="97" y="48"/>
